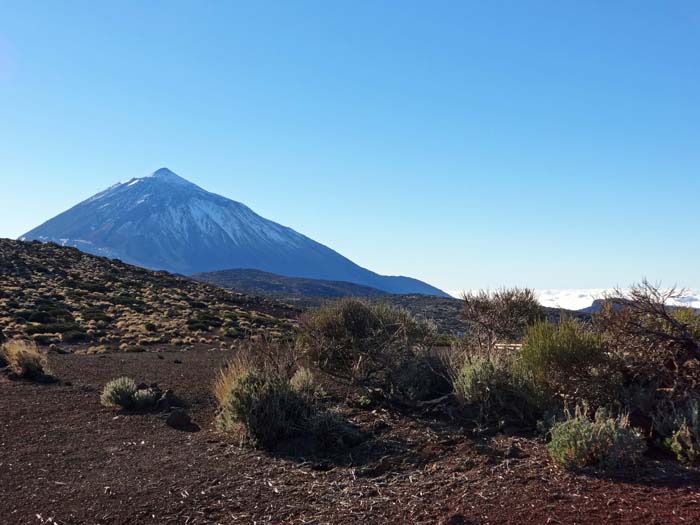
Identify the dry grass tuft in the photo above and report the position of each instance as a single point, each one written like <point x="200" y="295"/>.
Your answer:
<point x="23" y="358"/>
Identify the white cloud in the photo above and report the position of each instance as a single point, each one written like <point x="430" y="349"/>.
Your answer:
<point x="578" y="298"/>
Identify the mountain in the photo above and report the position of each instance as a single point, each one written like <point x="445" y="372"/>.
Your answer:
<point x="296" y="289"/>
<point x="165" y="222"/>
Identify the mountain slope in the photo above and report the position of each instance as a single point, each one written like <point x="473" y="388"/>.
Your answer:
<point x="167" y="223"/>
<point x="61" y="295"/>
<point x="258" y="282"/>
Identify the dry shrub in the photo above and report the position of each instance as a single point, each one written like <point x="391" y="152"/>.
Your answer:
<point x="276" y="359"/>
<point x="254" y="390"/>
<point x="501" y="316"/>
<point x="604" y="442"/>
<point x="264" y="391"/>
<point x="23" y="358"/>
<point x="362" y="342"/>
<point x="268" y="407"/>
<point x="656" y="350"/>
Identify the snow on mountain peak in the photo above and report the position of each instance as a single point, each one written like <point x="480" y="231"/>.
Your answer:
<point x="165" y="222"/>
<point x="166" y="175"/>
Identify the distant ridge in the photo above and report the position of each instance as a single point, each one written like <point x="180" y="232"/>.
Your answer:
<point x="165" y="222"/>
<point x="257" y="282"/>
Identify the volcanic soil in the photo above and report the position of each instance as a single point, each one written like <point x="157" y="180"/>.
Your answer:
<point x="65" y="459"/>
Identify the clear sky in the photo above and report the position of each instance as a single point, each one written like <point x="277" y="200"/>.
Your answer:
<point x="470" y="144"/>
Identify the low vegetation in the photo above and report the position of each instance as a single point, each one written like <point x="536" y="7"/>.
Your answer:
<point x="494" y="393"/>
<point x="23" y="358"/>
<point x="124" y="393"/>
<point x="374" y="345"/>
<point x="634" y="368"/>
<point x="60" y="295"/>
<point x="605" y="442"/>
<point x="684" y="435"/>
<point x="631" y="370"/>
<point x="265" y="392"/>
<point x="567" y="361"/>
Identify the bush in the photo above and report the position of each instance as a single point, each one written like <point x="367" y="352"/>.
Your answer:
<point x="604" y="442"/>
<point x="265" y="391"/>
<point x="567" y="360"/>
<point x="124" y="393"/>
<point x="95" y="314"/>
<point x="657" y="346"/>
<point x="690" y="317"/>
<point x="422" y="375"/>
<point x="267" y="406"/>
<point x="145" y="398"/>
<point x="119" y="393"/>
<point x="74" y="336"/>
<point x="684" y="441"/>
<point x="23" y="358"/>
<point x="361" y="342"/>
<point x="494" y="393"/>
<point x="501" y="316"/>
<point x="53" y="328"/>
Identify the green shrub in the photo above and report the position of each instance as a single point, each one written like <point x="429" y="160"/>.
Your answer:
<point x="119" y="393"/>
<point x="95" y="314"/>
<point x="267" y="406"/>
<point x="44" y="339"/>
<point x="567" y="360"/>
<point x="124" y="393"/>
<point x="684" y="441"/>
<point x="361" y="342"/>
<point x="689" y="317"/>
<point x="74" y="336"/>
<point x="495" y="393"/>
<point x="145" y="398"/>
<point x="604" y="442"/>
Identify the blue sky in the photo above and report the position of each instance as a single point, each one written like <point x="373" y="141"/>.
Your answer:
<point x="470" y="144"/>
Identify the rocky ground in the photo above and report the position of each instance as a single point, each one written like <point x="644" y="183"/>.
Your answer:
<point x="65" y="459"/>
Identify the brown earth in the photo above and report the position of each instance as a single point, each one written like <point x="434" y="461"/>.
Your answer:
<point x="66" y="459"/>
